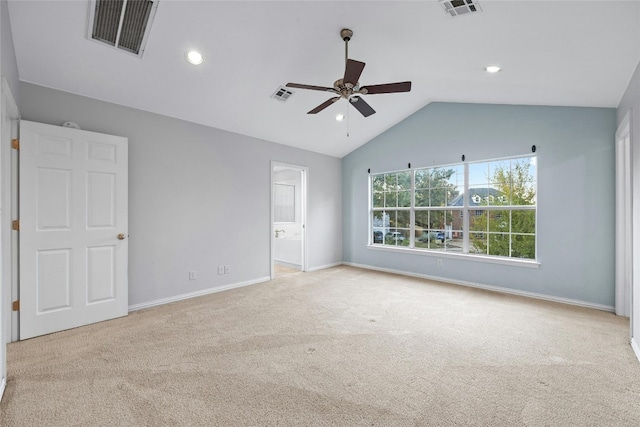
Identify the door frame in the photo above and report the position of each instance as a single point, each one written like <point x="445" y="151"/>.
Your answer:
<point x="8" y="238"/>
<point x="624" y="226"/>
<point x="304" y="171"/>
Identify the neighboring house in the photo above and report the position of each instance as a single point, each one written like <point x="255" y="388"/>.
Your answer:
<point x="478" y="197"/>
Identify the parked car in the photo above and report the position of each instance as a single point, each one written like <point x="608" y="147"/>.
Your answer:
<point x="395" y="236"/>
<point x="431" y="236"/>
<point x="378" y="237"/>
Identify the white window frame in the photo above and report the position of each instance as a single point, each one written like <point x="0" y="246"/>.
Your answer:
<point x="466" y="210"/>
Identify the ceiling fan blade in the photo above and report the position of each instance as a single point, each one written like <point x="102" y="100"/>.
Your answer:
<point x="320" y="88"/>
<point x="352" y="71"/>
<point x="323" y="105"/>
<point x="364" y="108"/>
<point x="387" y="88"/>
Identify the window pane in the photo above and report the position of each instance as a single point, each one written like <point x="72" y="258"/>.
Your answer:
<point x="378" y="200"/>
<point x="478" y="243"/>
<point x="478" y="222"/>
<point x="284" y="203"/>
<point x="404" y="181"/>
<point x="438" y="197"/>
<point x="523" y="221"/>
<point x="478" y="175"/>
<point x="403" y="219"/>
<point x="498" y="244"/>
<point x="391" y="200"/>
<point x="422" y="178"/>
<point x="397" y="237"/>
<point x="422" y="219"/>
<point x="499" y="221"/>
<point x="422" y="198"/>
<point x="390" y="182"/>
<point x="404" y="199"/>
<point x="380" y="219"/>
<point x="378" y="183"/>
<point x="523" y="246"/>
<point x="437" y="220"/>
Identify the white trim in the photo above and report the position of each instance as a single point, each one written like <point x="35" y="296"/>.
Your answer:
<point x="322" y="267"/>
<point x="489" y="287"/>
<point x="196" y="294"/>
<point x="636" y="348"/>
<point x="623" y="225"/>
<point x="3" y="386"/>
<point x="304" y="171"/>
<point x="469" y="257"/>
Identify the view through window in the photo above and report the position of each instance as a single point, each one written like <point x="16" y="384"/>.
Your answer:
<point x="486" y="208"/>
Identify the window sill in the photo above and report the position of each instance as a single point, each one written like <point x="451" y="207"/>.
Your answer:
<point x="468" y="257"/>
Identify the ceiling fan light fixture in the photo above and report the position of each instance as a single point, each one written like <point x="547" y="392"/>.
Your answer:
<point x="492" y="69"/>
<point x="194" y="57"/>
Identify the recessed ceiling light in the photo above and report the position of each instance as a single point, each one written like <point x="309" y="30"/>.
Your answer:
<point x="340" y="117"/>
<point x="194" y="57"/>
<point x="492" y="69"/>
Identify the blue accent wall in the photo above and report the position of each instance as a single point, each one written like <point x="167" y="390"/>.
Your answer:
<point x="576" y="192"/>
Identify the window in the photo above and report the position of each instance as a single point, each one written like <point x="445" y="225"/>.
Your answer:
<point x="486" y="208"/>
<point x="284" y="201"/>
<point x="392" y="208"/>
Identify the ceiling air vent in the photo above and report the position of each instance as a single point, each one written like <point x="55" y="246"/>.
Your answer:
<point x="282" y="94"/>
<point x="123" y="24"/>
<point x="460" y="7"/>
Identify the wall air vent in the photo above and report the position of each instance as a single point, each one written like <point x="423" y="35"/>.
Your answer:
<point x="282" y="94"/>
<point x="123" y="24"/>
<point x="460" y="7"/>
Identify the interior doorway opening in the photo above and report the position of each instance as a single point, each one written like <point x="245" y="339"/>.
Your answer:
<point x="288" y="219"/>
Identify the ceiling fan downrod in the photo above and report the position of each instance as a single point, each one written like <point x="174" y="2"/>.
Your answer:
<point x="346" y="35"/>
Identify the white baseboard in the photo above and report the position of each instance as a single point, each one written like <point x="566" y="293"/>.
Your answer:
<point x="322" y="267"/>
<point x="195" y="294"/>
<point x="579" y="303"/>
<point x="3" y="385"/>
<point x="635" y="347"/>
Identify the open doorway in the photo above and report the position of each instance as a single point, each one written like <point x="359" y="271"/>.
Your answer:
<point x="288" y="219"/>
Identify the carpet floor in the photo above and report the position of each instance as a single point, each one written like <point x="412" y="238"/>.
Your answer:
<point x="337" y="347"/>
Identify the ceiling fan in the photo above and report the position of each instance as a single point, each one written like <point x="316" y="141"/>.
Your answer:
<point x="349" y="88"/>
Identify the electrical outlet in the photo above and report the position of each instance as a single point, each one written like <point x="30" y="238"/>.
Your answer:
<point x="227" y="269"/>
<point x="221" y="269"/>
<point x="192" y="275"/>
<point x="439" y="263"/>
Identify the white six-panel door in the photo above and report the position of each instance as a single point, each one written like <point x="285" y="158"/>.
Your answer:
<point x="73" y="228"/>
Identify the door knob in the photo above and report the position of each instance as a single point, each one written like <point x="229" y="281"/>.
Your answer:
<point x="120" y="236"/>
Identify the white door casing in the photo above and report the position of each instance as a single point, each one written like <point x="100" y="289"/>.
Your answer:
<point x="303" y="171"/>
<point x="73" y="228"/>
<point x="624" y="236"/>
<point x="9" y="116"/>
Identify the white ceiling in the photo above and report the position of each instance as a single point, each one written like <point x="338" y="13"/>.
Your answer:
<point x="577" y="53"/>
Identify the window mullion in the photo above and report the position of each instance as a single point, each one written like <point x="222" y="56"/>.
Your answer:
<point x="412" y="212"/>
<point x="465" y="211"/>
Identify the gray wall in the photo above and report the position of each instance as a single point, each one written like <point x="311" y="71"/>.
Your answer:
<point x="8" y="64"/>
<point x="576" y="192"/>
<point x="198" y="197"/>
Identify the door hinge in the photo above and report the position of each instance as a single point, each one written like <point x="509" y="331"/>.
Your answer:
<point x="15" y="225"/>
<point x="15" y="306"/>
<point x="15" y="144"/>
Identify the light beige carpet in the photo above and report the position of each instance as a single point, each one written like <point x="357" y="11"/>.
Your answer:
<point x="338" y="347"/>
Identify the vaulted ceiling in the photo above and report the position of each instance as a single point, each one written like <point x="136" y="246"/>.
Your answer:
<point x="566" y="53"/>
